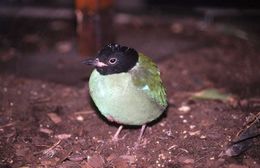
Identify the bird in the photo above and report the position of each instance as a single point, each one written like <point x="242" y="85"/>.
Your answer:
<point x="126" y="87"/>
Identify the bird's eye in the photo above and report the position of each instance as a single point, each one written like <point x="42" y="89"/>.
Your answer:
<point x="112" y="60"/>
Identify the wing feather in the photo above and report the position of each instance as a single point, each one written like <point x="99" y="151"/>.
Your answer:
<point x="146" y="76"/>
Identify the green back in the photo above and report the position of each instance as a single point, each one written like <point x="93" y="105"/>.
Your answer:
<point x="147" y="77"/>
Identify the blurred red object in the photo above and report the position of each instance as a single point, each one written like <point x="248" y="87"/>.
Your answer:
<point x="94" y="25"/>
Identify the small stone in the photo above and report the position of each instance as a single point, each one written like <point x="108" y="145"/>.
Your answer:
<point x="11" y="104"/>
<point x="54" y="117"/>
<point x="212" y="158"/>
<point x="80" y="118"/>
<point x="162" y="124"/>
<point x="194" y="133"/>
<point x="184" y="108"/>
<point x="5" y="89"/>
<point x="168" y="133"/>
<point x="63" y="136"/>
<point x="181" y="116"/>
<point x="203" y="137"/>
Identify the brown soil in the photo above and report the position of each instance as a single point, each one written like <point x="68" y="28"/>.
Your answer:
<point x="48" y="120"/>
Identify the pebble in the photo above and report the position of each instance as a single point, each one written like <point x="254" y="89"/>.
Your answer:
<point x="162" y="124"/>
<point x="80" y="118"/>
<point x="194" y="133"/>
<point x="203" y="137"/>
<point x="168" y="133"/>
<point x="184" y="108"/>
<point x="63" y="136"/>
<point x="192" y="126"/>
<point x="11" y="104"/>
<point x="212" y="158"/>
<point x="96" y="161"/>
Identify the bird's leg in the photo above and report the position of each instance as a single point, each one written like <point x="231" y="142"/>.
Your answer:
<point x="141" y="133"/>
<point x="115" y="137"/>
<point x="139" y="140"/>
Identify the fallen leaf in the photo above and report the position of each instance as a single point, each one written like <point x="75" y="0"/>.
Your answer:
<point x="111" y="157"/>
<point x="120" y="163"/>
<point x="186" y="160"/>
<point x="212" y="94"/>
<point x="77" y="157"/>
<point x="96" y="161"/>
<point x="129" y="158"/>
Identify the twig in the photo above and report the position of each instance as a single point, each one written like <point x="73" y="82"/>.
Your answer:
<point x="52" y="147"/>
<point x="49" y="151"/>
<point x="8" y="125"/>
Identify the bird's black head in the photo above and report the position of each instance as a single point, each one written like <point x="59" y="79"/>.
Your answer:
<point x="114" y="58"/>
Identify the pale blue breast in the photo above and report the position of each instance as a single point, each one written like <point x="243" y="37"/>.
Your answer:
<point x="119" y="99"/>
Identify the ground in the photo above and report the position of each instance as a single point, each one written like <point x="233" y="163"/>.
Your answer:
<point x="48" y="119"/>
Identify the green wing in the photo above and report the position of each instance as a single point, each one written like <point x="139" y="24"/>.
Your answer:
<point x="146" y="76"/>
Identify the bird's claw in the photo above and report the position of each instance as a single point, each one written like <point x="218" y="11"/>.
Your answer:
<point x="116" y="138"/>
<point x="140" y="143"/>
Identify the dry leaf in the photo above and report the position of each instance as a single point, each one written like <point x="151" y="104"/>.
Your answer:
<point x="96" y="161"/>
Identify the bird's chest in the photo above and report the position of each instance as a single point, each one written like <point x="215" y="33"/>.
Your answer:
<point x="110" y="87"/>
<point x="118" y="99"/>
<point x="115" y="94"/>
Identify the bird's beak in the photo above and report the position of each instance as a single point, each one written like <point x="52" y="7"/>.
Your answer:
<point x="94" y="62"/>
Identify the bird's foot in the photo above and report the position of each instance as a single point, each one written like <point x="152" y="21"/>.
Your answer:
<point x="140" y="143"/>
<point x="116" y="138"/>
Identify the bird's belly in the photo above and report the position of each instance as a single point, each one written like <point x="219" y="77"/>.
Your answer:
<point x="118" y="99"/>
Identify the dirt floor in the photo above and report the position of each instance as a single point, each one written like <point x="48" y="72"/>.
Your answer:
<point x="48" y="120"/>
